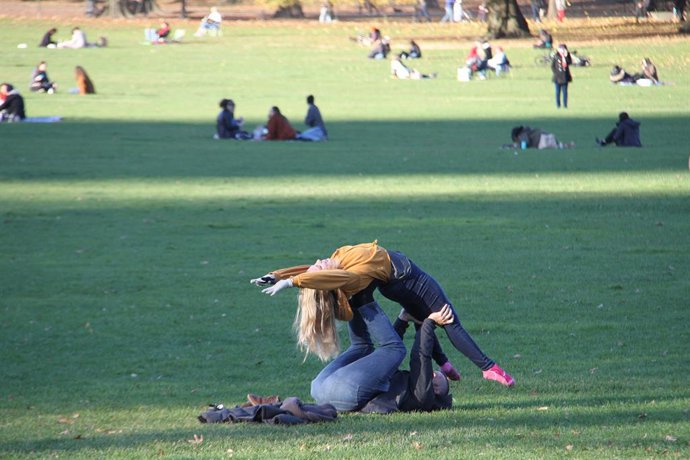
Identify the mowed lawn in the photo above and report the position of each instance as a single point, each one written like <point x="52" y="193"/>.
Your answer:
<point x="128" y="237"/>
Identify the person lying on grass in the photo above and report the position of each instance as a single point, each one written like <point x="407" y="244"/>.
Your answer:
<point x="367" y="379"/>
<point x="332" y="288"/>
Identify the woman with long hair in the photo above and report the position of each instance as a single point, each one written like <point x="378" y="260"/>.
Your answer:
<point x="349" y="278"/>
<point x="84" y="83"/>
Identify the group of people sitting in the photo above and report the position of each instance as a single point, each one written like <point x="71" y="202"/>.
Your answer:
<point x="277" y="128"/>
<point x="12" y="105"/>
<point x="77" y="40"/>
<point x="41" y="83"/>
<point x="648" y="75"/>
<point x="481" y="59"/>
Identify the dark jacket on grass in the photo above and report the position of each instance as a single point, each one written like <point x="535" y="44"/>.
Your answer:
<point x="290" y="412"/>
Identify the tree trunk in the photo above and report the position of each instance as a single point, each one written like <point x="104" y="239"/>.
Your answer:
<point x="505" y="20"/>
<point x="293" y="10"/>
<point x="183" y="9"/>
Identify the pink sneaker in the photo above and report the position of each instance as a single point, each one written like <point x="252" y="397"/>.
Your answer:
<point x="499" y="375"/>
<point x="450" y="372"/>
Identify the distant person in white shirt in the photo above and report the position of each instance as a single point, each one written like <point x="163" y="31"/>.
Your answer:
<point x="210" y="22"/>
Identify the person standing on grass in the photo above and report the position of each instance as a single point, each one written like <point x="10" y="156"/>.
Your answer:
<point x="560" y="67"/>
<point x="332" y="288"/>
<point x="367" y="379"/>
<point x="448" y="16"/>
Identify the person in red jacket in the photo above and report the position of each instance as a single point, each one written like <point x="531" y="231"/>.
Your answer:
<point x="279" y="128"/>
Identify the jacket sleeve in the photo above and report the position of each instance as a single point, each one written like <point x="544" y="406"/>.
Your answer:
<point x="285" y="273"/>
<point x="328" y="280"/>
<point x="421" y="367"/>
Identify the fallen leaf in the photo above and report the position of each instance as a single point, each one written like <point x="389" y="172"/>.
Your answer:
<point x="569" y="447"/>
<point x="197" y="439"/>
<point x="417" y="445"/>
<point x="543" y="408"/>
<point x="670" y="438"/>
<point x="593" y="370"/>
<point x="413" y="433"/>
<point x="347" y="437"/>
<point x="65" y="421"/>
<point x="517" y="356"/>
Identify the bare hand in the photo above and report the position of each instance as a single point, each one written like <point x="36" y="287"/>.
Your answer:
<point x="443" y="316"/>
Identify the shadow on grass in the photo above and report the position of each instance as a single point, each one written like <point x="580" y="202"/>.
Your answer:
<point x="102" y="150"/>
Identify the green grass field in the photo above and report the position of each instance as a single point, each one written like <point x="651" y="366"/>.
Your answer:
<point x="128" y="236"/>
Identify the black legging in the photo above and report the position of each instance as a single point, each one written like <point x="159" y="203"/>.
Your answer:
<point x="420" y="294"/>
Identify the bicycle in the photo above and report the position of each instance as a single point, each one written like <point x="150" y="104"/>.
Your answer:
<point x="578" y="60"/>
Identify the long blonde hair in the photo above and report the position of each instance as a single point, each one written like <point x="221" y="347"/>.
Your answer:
<point x="315" y="323"/>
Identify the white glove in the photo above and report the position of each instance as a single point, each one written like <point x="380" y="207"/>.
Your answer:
<point x="264" y="280"/>
<point x="279" y="286"/>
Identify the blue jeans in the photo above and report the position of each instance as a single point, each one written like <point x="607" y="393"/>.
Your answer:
<point x="420" y="294"/>
<point x="561" y="88"/>
<point x="448" y="17"/>
<point x="362" y="371"/>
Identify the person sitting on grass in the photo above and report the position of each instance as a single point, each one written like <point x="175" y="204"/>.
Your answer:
<point x="332" y="288"/>
<point x="278" y="127"/>
<point x="367" y="379"/>
<point x="40" y="81"/>
<point x="78" y="40"/>
<point x="619" y="76"/>
<point x="11" y="104"/>
<point x="499" y="63"/>
<point x="625" y="134"/>
<point x="317" y="128"/>
<point x="47" y="40"/>
<point x="415" y="52"/>
<point x="227" y="126"/>
<point x="525" y="137"/>
<point x="84" y="84"/>
<point x="211" y="22"/>
<point x="380" y="48"/>
<point x="649" y="73"/>
<point x="401" y="71"/>
<point x="159" y="35"/>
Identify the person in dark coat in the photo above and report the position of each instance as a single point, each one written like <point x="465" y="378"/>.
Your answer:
<point x="227" y="126"/>
<point x="11" y="104"/>
<point x="47" y="39"/>
<point x="625" y="134"/>
<point x="40" y="81"/>
<point x="560" y="67"/>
